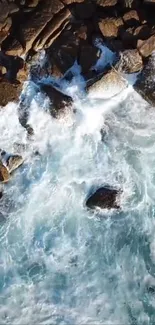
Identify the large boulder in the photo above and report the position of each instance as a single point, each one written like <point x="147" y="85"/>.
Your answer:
<point x="130" y="61"/>
<point x="104" y="198"/>
<point x="4" y="173"/>
<point x="32" y="27"/>
<point x="111" y="27"/>
<point x="146" y="47"/>
<point x="109" y="85"/>
<point x="145" y="84"/>
<point x="60" y="102"/>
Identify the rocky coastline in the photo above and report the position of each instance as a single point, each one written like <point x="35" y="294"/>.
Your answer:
<point x="67" y="31"/>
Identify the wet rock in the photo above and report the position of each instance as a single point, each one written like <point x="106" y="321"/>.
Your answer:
<point x="104" y="198"/>
<point x="146" y="47"/>
<point x="11" y="161"/>
<point x="88" y="56"/>
<point x="131" y="18"/>
<point x="145" y="84"/>
<point x="9" y="92"/>
<point x="110" y="27"/>
<point x="130" y="62"/>
<point x="109" y="85"/>
<point x="12" y="65"/>
<point x="64" y="51"/>
<point x="60" y="102"/>
<point x="4" y="173"/>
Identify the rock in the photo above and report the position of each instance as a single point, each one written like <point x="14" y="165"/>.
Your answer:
<point x="64" y="51"/>
<point x="131" y="18"/>
<point x="142" y="32"/>
<point x="146" y="47"/>
<point x="84" y="10"/>
<point x="12" y="65"/>
<point x="104" y="198"/>
<point x="149" y="1"/>
<point x="88" y="56"/>
<point x="109" y="85"/>
<point x="61" y="102"/>
<point x="130" y="3"/>
<point x="130" y="62"/>
<point x="68" y="2"/>
<point x="52" y="30"/>
<point x="9" y="92"/>
<point x="110" y="27"/>
<point x="128" y="38"/>
<point x="4" y="174"/>
<point x="13" y="162"/>
<point x="145" y="84"/>
<point x="106" y="3"/>
<point x="31" y="28"/>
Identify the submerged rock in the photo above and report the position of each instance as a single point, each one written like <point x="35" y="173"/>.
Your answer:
<point x="4" y="173"/>
<point x="109" y="85"/>
<point x="104" y="198"/>
<point x="61" y="102"/>
<point x="145" y="84"/>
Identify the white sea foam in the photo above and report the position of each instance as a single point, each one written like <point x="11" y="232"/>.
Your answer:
<point x="59" y="262"/>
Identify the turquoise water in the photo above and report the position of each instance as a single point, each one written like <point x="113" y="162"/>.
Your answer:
<point x="59" y="262"/>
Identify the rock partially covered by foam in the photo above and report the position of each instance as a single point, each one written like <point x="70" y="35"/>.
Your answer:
<point x="4" y="173"/>
<point x="130" y="62"/>
<point x="104" y="198"/>
<point x="60" y="102"/>
<point x="11" y="161"/>
<point x="145" y="84"/>
<point x="109" y="85"/>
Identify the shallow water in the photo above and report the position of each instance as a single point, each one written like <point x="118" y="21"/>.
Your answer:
<point x="59" y="262"/>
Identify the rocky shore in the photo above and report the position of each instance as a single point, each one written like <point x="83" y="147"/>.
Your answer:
<point x="67" y="31"/>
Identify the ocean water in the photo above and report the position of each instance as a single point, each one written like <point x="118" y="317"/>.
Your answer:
<point x="59" y="262"/>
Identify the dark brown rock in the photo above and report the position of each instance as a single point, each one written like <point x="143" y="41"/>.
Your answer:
<point x="104" y="198"/>
<point x="130" y="62"/>
<point x="64" y="51"/>
<point x="142" y="32"/>
<point x="12" y="65"/>
<point x="88" y="57"/>
<point x="8" y="92"/>
<point x="84" y="10"/>
<point x="128" y="38"/>
<point x="60" y="102"/>
<point x="131" y="18"/>
<point x="146" y="47"/>
<point x="145" y="84"/>
<point x="110" y="27"/>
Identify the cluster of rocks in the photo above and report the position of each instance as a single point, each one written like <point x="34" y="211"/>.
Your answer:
<point x="66" y="30"/>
